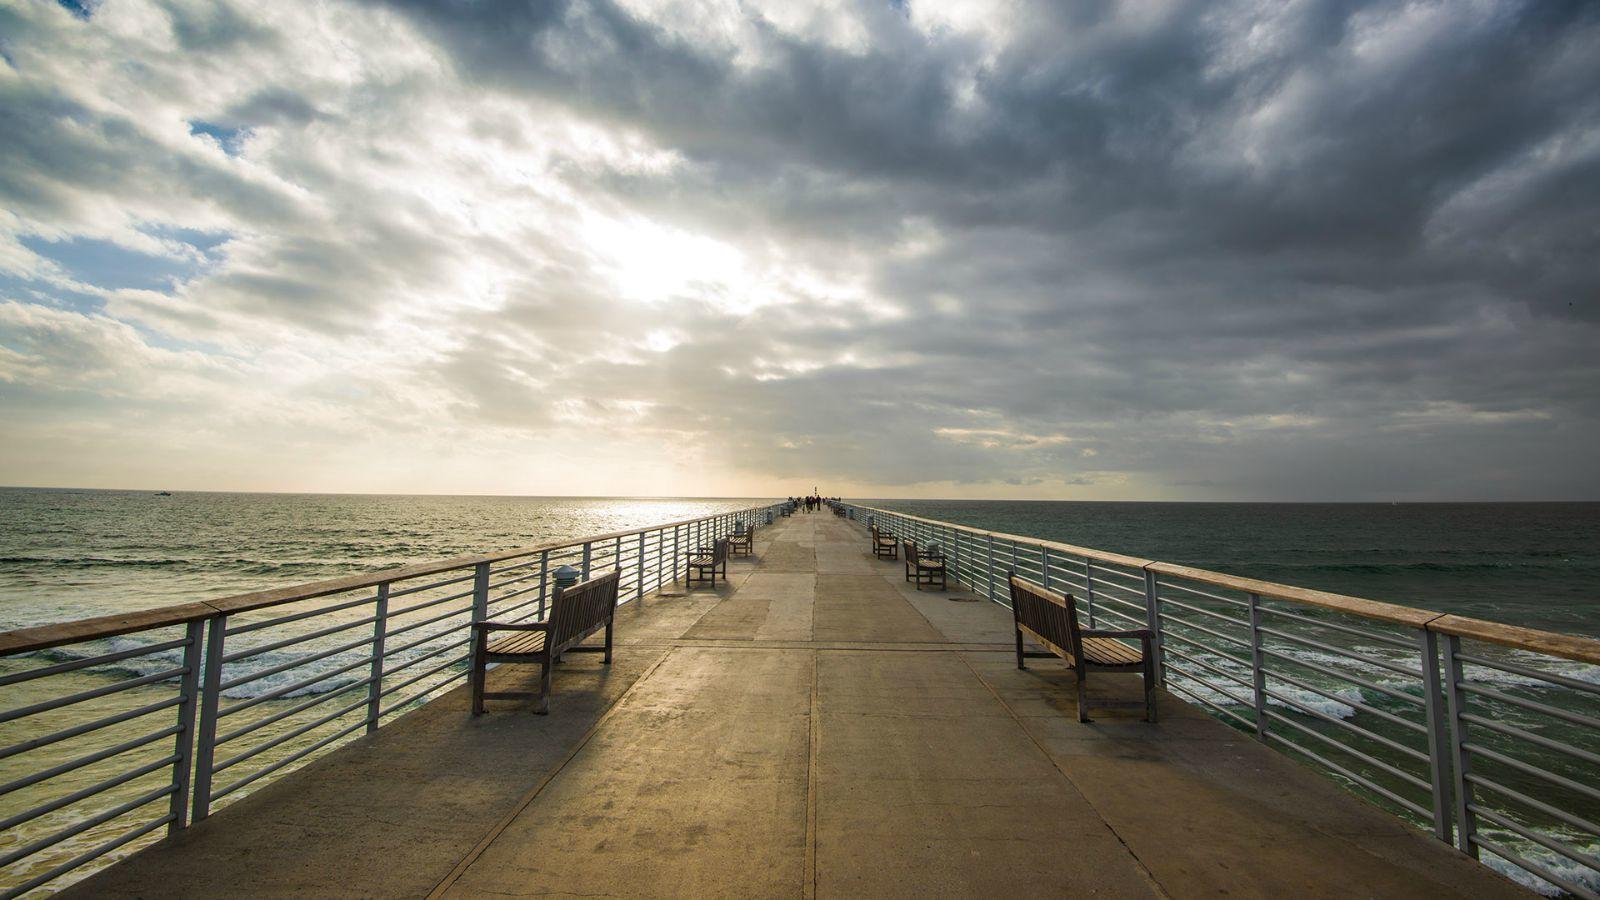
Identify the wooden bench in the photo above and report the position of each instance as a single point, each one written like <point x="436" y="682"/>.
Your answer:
<point x="923" y="567"/>
<point x="575" y="613"/>
<point x="1052" y="620"/>
<point x="742" y="542"/>
<point x="884" y="545"/>
<point x="704" y="563"/>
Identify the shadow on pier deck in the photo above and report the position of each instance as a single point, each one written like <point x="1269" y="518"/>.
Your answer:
<point x="814" y="727"/>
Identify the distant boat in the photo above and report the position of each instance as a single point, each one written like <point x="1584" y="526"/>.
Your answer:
<point x="163" y="493"/>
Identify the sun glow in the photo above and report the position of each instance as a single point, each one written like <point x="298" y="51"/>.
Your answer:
<point x="649" y="262"/>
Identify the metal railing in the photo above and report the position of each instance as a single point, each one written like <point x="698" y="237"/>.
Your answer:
<point x="124" y="725"/>
<point x="1487" y="735"/>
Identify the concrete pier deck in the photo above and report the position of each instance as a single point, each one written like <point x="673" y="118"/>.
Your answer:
<point x="812" y="728"/>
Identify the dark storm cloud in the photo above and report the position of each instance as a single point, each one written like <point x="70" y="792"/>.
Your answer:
<point x="1281" y="250"/>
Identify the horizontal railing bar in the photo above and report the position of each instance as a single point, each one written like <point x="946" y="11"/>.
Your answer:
<point x="1519" y="797"/>
<point x="419" y="588"/>
<point x="1396" y="771"/>
<point x="1353" y="704"/>
<point x="497" y="613"/>
<point x="1341" y="651"/>
<point x="295" y="757"/>
<point x="247" y="627"/>
<point x="514" y="566"/>
<point x="1358" y="779"/>
<point x="1241" y="623"/>
<point x="1534" y="705"/>
<point x="1242" y="682"/>
<point x="102" y="659"/>
<point x="315" y="700"/>
<point x="90" y="791"/>
<point x="85" y="728"/>
<point x="1534" y="771"/>
<point x="428" y="604"/>
<point x="429" y="655"/>
<point x="1246" y="723"/>
<point x="88" y="855"/>
<point x="1169" y="617"/>
<point x="1170" y="635"/>
<point x="78" y="828"/>
<point x="1513" y="857"/>
<point x="1547" y="743"/>
<point x="1210" y="686"/>
<point x="91" y="694"/>
<point x="1337" y="626"/>
<point x="1530" y="672"/>
<point x="1549" y="843"/>
<point x="295" y="663"/>
<point x="247" y="652"/>
<point x="275" y="693"/>
<point x="402" y="704"/>
<point x="416" y="678"/>
<point x="432" y="635"/>
<point x="530" y="576"/>
<point x="85" y="760"/>
<point x="1136" y="579"/>
<point x="1208" y="595"/>
<point x="286" y="737"/>
<point x="1346" y="676"/>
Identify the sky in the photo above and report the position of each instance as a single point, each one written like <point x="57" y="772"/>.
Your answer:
<point x="1143" y="250"/>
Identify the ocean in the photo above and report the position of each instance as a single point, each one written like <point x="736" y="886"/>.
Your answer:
<point x="70" y="554"/>
<point x="1530" y="564"/>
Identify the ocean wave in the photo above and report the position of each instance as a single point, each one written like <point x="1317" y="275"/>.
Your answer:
<point x="166" y="660"/>
<point x="74" y="562"/>
<point x="1558" y="865"/>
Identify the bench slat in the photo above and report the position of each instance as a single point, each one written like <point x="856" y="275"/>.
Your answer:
<point x="520" y="643"/>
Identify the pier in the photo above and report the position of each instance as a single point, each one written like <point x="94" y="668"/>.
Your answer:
<point x="812" y="727"/>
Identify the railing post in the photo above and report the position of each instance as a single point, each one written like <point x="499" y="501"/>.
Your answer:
<point x="1152" y="602"/>
<point x="1258" y="672"/>
<point x="183" y="741"/>
<point x="544" y="576"/>
<point x="988" y="575"/>
<point x="641" y="566"/>
<point x="677" y="549"/>
<point x="588" y="552"/>
<point x="480" y="608"/>
<point x="1438" y="737"/>
<point x="1466" y="819"/>
<point x="1044" y="566"/>
<point x="1088" y="588"/>
<point x="210" y="692"/>
<point x="380" y="629"/>
<point x="616" y="558"/>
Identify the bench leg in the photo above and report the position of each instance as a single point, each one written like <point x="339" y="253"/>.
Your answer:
<point x="1020" y="664"/>
<point x="607" y="657"/>
<point x="544" y="687"/>
<point x="1083" y="695"/>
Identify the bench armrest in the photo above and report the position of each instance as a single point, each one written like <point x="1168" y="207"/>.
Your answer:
<point x="1143" y="634"/>
<point x="511" y="626"/>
